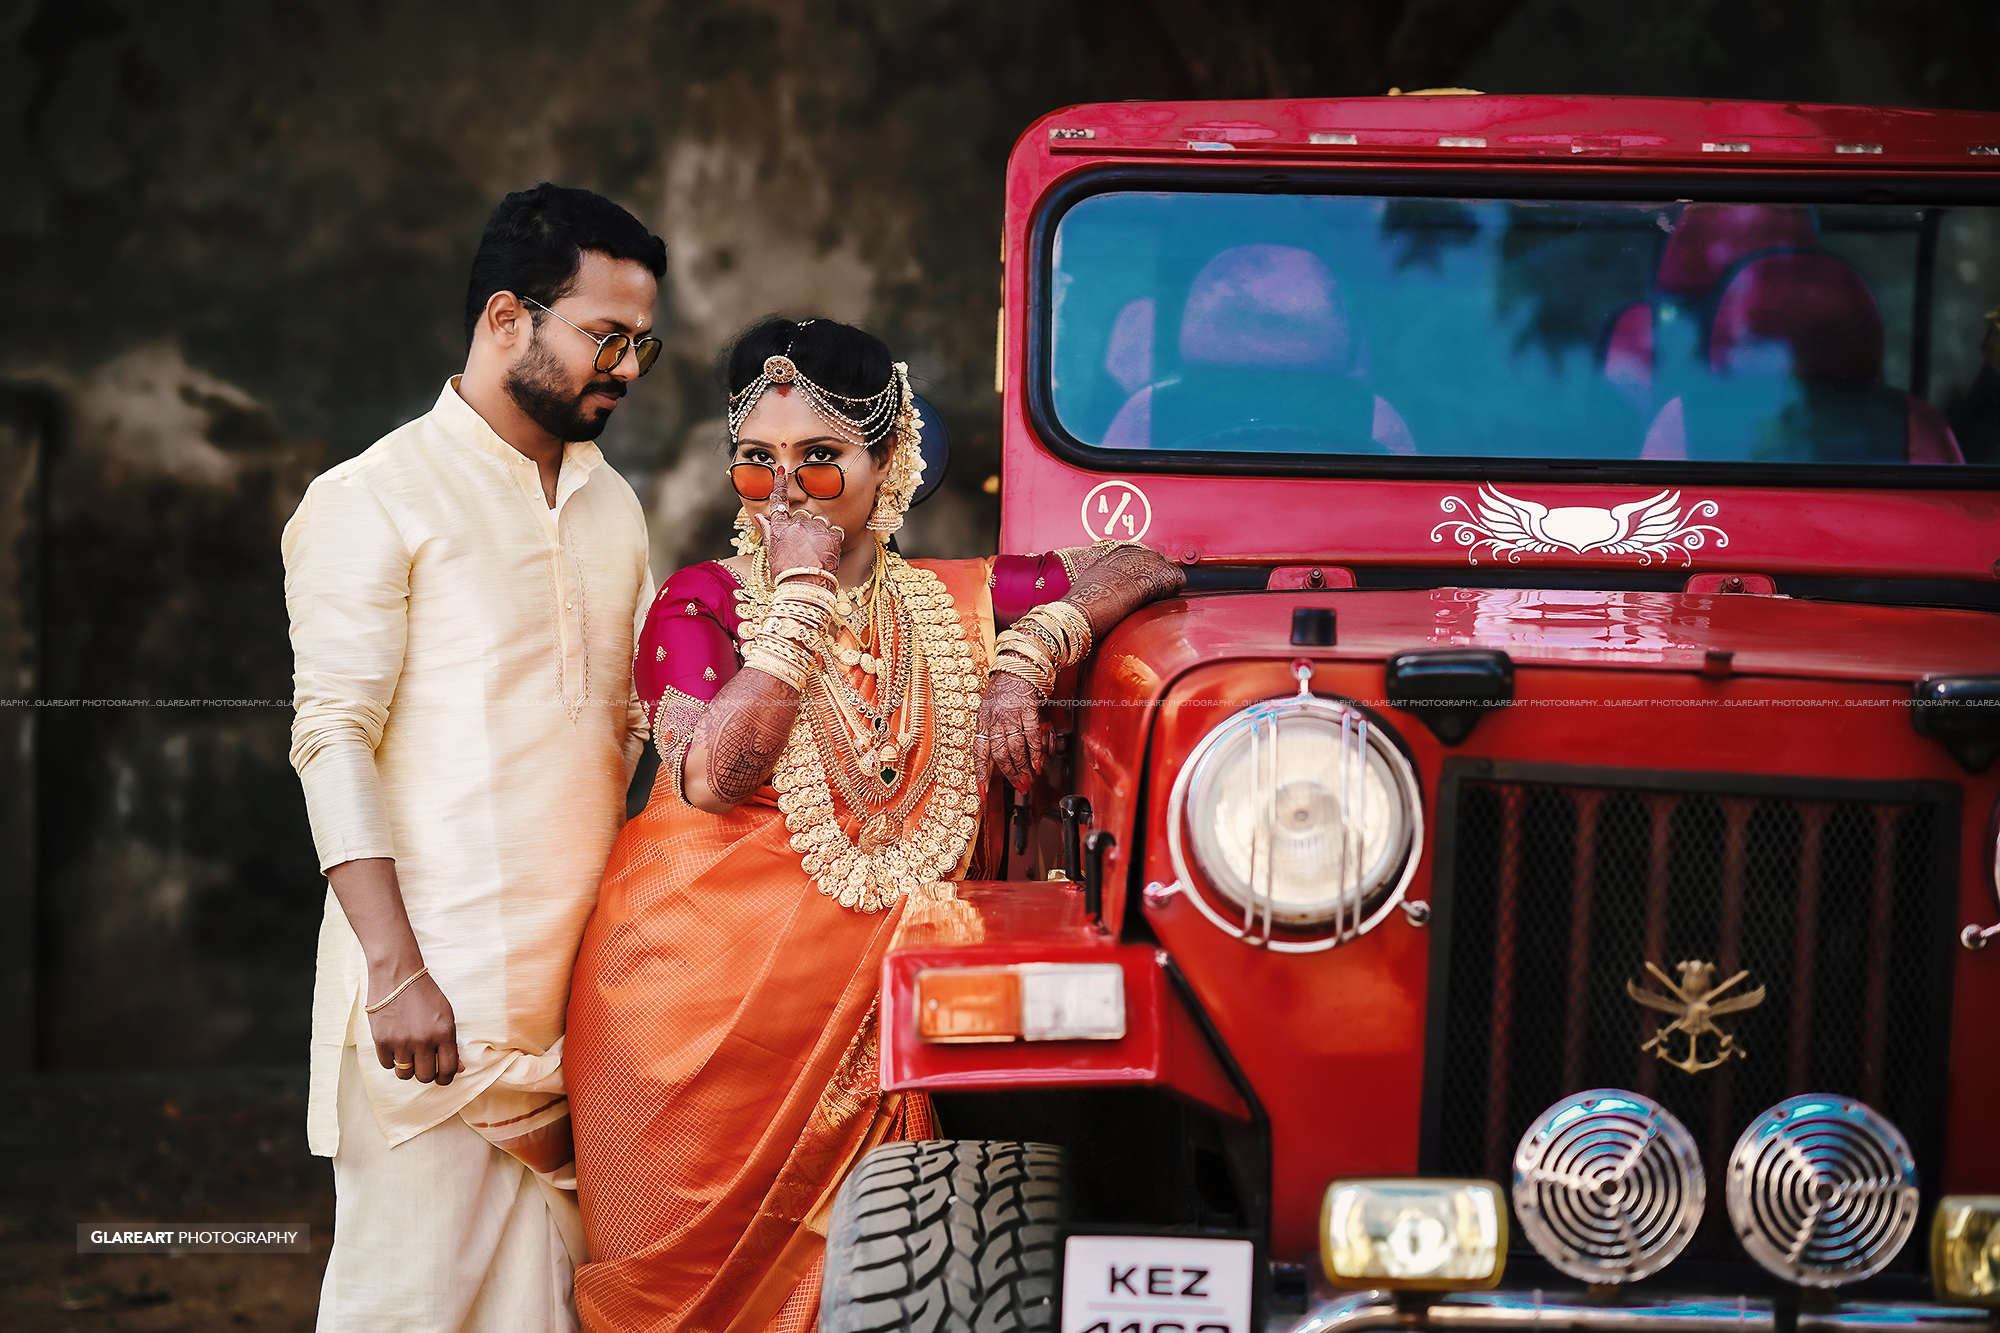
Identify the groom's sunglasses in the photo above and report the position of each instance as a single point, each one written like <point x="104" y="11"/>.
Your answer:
<point x="820" y="481"/>
<point x="611" y="347"/>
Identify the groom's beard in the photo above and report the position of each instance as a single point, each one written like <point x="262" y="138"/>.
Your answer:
<point x="536" y="385"/>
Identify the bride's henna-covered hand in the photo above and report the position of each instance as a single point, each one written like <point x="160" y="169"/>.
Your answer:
<point x="795" y="539"/>
<point x="738" y="741"/>
<point x="748" y="722"/>
<point x="1009" y="730"/>
<point x="1110" y="585"/>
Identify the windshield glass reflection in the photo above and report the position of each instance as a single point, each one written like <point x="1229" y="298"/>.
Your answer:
<point x="1767" y="333"/>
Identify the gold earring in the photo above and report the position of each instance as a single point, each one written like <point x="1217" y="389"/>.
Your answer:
<point x="887" y="516"/>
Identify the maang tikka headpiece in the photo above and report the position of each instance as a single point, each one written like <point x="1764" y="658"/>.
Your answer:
<point x="890" y="413"/>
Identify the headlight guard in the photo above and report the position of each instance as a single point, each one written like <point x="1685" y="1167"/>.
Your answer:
<point x="1301" y="815"/>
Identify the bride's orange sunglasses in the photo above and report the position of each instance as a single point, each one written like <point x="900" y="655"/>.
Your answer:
<point x="820" y="481"/>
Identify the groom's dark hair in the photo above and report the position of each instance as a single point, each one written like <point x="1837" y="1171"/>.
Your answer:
<point x="534" y="244"/>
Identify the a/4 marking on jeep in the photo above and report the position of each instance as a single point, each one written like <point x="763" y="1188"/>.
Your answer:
<point x="1116" y="511"/>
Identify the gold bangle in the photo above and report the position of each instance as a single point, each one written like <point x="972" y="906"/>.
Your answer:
<point x="1042" y="673"/>
<point x="784" y="627"/>
<point x="795" y="631"/>
<point x="1035" y="664"/>
<point x="1075" y="624"/>
<point x="804" y="599"/>
<point x="770" y="645"/>
<point x="1042" y="650"/>
<point x="806" y="613"/>
<point x="776" y="658"/>
<point x="1067" y="633"/>
<point x="390" y="998"/>
<point x="1025" y="645"/>
<point x="795" y="622"/>
<point x="1035" y="628"/>
<point x="1038" y="679"/>
<point x="1043" y="633"/>
<point x="772" y="660"/>
<point x="804" y="571"/>
<point x="816" y="593"/>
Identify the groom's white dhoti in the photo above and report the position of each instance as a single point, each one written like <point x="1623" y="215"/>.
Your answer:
<point x="443" y="1231"/>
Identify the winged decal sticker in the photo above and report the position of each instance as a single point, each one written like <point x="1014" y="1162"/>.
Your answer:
<point x="1656" y="527"/>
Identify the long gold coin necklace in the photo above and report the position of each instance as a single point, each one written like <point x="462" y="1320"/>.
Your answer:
<point x="926" y="681"/>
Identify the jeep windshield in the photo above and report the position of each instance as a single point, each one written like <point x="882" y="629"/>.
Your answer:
<point x="1197" y="324"/>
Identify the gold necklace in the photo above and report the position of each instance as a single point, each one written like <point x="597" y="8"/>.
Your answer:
<point x="892" y="855"/>
<point x="862" y="618"/>
<point x="851" y="603"/>
<point x="879" y="757"/>
<point x="891" y="669"/>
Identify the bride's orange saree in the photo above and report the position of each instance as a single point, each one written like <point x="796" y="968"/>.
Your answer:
<point x="721" y="1049"/>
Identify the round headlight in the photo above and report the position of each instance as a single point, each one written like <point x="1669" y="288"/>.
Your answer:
<point x="1301" y="814"/>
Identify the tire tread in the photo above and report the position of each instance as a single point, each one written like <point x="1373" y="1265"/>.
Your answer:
<point x="945" y="1236"/>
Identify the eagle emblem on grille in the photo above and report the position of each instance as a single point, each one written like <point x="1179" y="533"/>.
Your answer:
<point x="1695" y="1005"/>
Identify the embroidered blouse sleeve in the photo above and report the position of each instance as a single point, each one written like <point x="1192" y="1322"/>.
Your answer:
<point x="686" y="652"/>
<point x="1020" y="583"/>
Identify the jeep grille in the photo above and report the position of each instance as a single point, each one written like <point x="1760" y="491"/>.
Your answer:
<point x="1555" y="886"/>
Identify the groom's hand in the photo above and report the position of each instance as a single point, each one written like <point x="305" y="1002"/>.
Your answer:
<point x="415" y="1034"/>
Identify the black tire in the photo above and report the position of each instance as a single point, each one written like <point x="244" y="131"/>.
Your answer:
<point x="945" y="1236"/>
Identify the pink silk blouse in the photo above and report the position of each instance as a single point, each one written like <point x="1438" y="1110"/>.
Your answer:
<point x="689" y="646"/>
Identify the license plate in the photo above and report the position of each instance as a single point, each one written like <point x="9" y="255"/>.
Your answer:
<point x="1156" y="1284"/>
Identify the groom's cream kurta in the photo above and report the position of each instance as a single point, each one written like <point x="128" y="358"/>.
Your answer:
<point x="464" y="706"/>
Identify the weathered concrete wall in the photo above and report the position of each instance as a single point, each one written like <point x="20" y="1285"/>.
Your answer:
<point x="233" y="243"/>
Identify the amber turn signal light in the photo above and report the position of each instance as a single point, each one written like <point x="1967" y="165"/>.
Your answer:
<point x="1421" y="1235"/>
<point x="1965" y="1250"/>
<point x="964" y="1005"/>
<point x="1025" y="1002"/>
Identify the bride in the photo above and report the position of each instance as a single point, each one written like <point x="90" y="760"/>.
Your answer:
<point x="827" y="713"/>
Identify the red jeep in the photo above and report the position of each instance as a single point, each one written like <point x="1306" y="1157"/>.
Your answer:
<point x="1537" y="873"/>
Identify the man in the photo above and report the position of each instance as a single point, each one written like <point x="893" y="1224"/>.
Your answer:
<point x="462" y="598"/>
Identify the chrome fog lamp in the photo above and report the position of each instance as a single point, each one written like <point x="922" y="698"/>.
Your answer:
<point x="1608" y="1186"/>
<point x="1424" y="1235"/>
<point x="1301" y="814"/>
<point x="1965" y="1250"/>
<point x="1822" y="1190"/>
